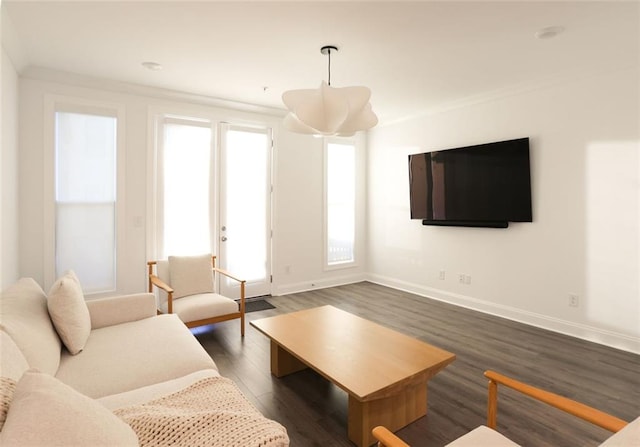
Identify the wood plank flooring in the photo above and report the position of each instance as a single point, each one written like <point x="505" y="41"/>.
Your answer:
<point x="315" y="411"/>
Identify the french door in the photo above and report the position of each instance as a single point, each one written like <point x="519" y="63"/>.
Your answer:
<point x="245" y="208"/>
<point x="214" y="195"/>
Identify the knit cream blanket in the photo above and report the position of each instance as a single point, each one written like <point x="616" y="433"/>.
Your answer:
<point x="211" y="412"/>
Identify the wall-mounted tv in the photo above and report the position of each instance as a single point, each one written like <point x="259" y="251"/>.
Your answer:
<point x="487" y="185"/>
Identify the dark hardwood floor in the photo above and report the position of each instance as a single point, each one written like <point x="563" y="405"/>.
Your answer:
<point x="315" y="411"/>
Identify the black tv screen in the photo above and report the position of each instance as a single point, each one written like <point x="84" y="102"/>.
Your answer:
<point x="487" y="185"/>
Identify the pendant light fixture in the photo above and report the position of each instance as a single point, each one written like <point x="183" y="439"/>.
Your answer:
<point x="328" y="110"/>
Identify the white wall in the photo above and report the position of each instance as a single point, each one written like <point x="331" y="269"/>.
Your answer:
<point x="297" y="178"/>
<point x="299" y="255"/>
<point x="8" y="174"/>
<point x="585" y="152"/>
<point x="584" y="239"/>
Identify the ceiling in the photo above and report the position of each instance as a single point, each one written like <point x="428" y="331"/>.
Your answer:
<point x="415" y="56"/>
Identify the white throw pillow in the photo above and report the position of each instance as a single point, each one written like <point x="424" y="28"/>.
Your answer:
<point x="45" y="411"/>
<point x="191" y="275"/>
<point x="69" y="312"/>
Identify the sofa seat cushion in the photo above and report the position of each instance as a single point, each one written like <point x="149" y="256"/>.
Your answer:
<point x="482" y="436"/>
<point x="202" y="306"/>
<point x="46" y="412"/>
<point x="25" y="317"/>
<point x="155" y="391"/>
<point x="132" y="355"/>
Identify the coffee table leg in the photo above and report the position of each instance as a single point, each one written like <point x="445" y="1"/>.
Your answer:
<point x="393" y="412"/>
<point x="283" y="363"/>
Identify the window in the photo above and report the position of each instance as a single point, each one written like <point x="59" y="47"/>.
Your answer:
<point x="340" y="197"/>
<point x="185" y="188"/>
<point x="85" y="198"/>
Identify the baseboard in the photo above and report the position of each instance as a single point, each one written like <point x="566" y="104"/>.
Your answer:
<point x="582" y="331"/>
<point x="286" y="289"/>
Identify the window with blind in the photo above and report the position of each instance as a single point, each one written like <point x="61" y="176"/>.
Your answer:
<point x="85" y="198"/>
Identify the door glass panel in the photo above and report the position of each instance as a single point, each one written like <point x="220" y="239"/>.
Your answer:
<point x="246" y="189"/>
<point x="186" y="190"/>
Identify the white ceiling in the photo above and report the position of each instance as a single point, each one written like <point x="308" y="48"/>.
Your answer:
<point x="415" y="56"/>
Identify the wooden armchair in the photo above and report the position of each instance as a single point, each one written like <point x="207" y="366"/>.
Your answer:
<point x="488" y="436"/>
<point x="188" y="284"/>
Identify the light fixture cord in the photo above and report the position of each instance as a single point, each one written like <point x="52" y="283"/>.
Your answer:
<point x="329" y="52"/>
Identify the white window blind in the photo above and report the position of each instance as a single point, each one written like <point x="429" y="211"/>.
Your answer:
<point x="186" y="188"/>
<point x="340" y="203"/>
<point x="85" y="198"/>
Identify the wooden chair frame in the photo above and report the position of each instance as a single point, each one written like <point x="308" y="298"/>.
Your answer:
<point x="154" y="280"/>
<point x="589" y="414"/>
<point x="387" y="439"/>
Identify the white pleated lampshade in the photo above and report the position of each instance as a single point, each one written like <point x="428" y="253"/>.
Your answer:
<point x="329" y="111"/>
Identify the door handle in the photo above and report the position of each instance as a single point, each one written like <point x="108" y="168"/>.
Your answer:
<point x="223" y="238"/>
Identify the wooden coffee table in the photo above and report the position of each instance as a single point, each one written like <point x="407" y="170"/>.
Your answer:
<point x="384" y="372"/>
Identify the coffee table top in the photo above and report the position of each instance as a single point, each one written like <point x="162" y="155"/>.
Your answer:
<point x="365" y="359"/>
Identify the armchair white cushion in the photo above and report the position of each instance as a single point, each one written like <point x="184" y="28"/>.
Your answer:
<point x="482" y="436"/>
<point x="202" y="306"/>
<point x="628" y="436"/>
<point x="191" y="275"/>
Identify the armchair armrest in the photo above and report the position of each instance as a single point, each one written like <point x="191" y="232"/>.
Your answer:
<point x="228" y="275"/>
<point x="121" y="309"/>
<point x="386" y="438"/>
<point x="153" y="279"/>
<point x="577" y="409"/>
<point x="156" y="281"/>
<point x="242" y="286"/>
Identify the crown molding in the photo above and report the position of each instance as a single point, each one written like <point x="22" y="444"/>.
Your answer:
<point x="78" y="80"/>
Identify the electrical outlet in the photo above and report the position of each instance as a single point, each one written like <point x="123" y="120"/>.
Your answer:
<point x="574" y="300"/>
<point x="442" y="274"/>
<point x="461" y="277"/>
<point x="467" y="279"/>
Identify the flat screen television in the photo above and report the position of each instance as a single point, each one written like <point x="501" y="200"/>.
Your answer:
<point x="487" y="185"/>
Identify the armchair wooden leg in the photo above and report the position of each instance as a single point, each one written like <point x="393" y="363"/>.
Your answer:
<point x="492" y="405"/>
<point x="242" y="306"/>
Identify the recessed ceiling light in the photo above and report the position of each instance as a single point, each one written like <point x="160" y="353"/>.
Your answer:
<point x="154" y="66"/>
<point x="549" y="32"/>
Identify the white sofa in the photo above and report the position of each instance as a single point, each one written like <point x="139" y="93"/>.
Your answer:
<point x="131" y="360"/>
